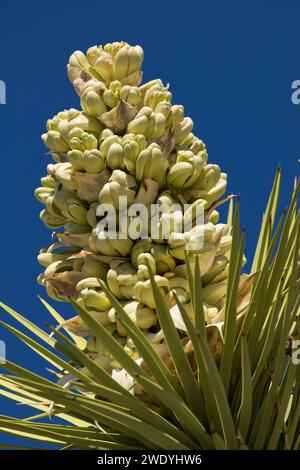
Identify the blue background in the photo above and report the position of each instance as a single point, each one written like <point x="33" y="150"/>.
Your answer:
<point x="230" y="63"/>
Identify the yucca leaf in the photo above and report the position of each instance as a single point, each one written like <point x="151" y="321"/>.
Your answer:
<point x="245" y="411"/>
<point x="81" y="342"/>
<point x="178" y="355"/>
<point x="212" y="385"/>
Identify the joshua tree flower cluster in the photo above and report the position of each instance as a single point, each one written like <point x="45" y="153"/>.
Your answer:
<point x="127" y="140"/>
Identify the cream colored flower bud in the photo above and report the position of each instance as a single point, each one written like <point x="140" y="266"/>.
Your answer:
<point x="145" y="260"/>
<point x="183" y="129"/>
<point x="176" y="116"/>
<point x="47" y="257"/>
<point x="211" y="195"/>
<point x="104" y="67"/>
<point x="181" y="288"/>
<point x="95" y="300"/>
<point x="151" y="125"/>
<point x="115" y="157"/>
<point x="42" y="194"/>
<point x="92" y="101"/>
<point x="54" y="141"/>
<point x="156" y="94"/>
<point x="93" y="161"/>
<point x="109" y="246"/>
<point x="121" y="279"/>
<point x="92" y="295"/>
<point x="142" y="291"/>
<point x="209" y="177"/>
<point x="131" y="95"/>
<point x="151" y="163"/>
<point x="119" y="184"/>
<point x="185" y="171"/>
<point x="143" y="317"/>
<point x="77" y="63"/>
<point x="127" y="64"/>
<point x="52" y="221"/>
<point x="132" y="146"/>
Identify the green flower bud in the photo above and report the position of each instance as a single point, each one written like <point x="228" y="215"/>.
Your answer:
<point x="142" y="291"/>
<point x="164" y="261"/>
<point x="92" y="267"/>
<point x="218" y="266"/>
<point x="121" y="279"/>
<point x="141" y="246"/>
<point x="151" y="163"/>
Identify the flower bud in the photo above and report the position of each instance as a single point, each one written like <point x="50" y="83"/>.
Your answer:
<point x="121" y="279"/>
<point x="151" y="163"/>
<point x="151" y="125"/>
<point x="92" y="100"/>
<point x="144" y="261"/>
<point x="141" y="246"/>
<point x="109" y="246"/>
<point x="142" y="316"/>
<point x="164" y="261"/>
<point x="119" y="184"/>
<point x="93" y="161"/>
<point x="185" y="171"/>
<point x="143" y="292"/>
<point x="130" y="95"/>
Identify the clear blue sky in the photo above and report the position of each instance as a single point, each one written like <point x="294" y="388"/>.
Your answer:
<point x="231" y="64"/>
